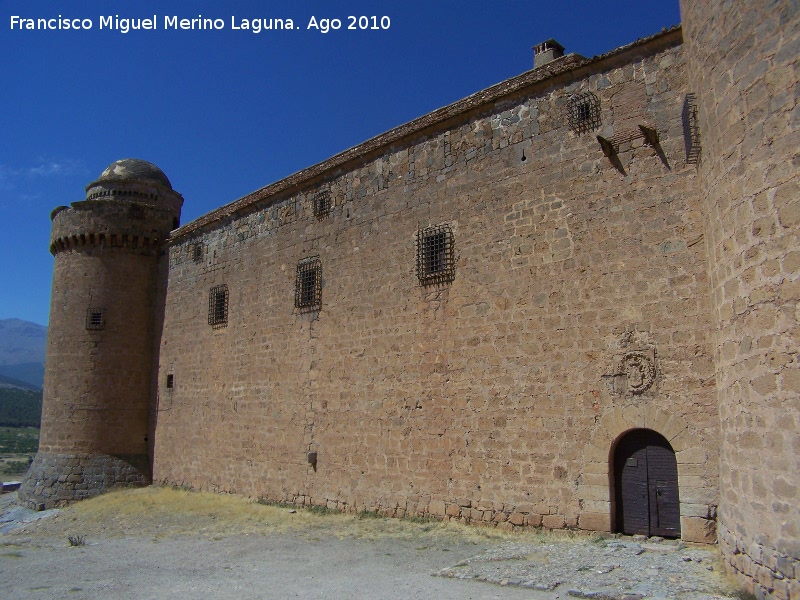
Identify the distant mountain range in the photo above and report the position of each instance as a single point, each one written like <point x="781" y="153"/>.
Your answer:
<point x="22" y="347"/>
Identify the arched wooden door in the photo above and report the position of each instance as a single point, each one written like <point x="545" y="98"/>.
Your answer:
<point x="646" y="485"/>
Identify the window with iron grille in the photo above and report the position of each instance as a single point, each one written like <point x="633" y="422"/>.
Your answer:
<point x="308" y="285"/>
<point x="218" y="306"/>
<point x="691" y="130"/>
<point x="170" y="381"/>
<point x="322" y="204"/>
<point x="435" y="255"/>
<point x="196" y="250"/>
<point x="96" y="318"/>
<point x="583" y="112"/>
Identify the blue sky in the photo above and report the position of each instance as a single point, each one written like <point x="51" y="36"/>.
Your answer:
<point x="225" y="112"/>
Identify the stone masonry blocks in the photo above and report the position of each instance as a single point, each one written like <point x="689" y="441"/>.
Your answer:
<point x="57" y="479"/>
<point x="485" y="398"/>
<point x="742" y="65"/>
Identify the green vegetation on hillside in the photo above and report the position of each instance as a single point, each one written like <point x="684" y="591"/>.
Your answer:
<point x="20" y="408"/>
<point x="19" y="440"/>
<point x="18" y="446"/>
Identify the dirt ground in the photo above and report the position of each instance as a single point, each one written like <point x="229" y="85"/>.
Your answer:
<point x="166" y="543"/>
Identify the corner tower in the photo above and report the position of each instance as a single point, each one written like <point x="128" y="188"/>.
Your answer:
<point x="104" y="313"/>
<point x="744" y="64"/>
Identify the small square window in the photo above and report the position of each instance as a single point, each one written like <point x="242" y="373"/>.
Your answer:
<point x="96" y="318"/>
<point x="583" y="112"/>
<point x="308" y="285"/>
<point x="218" y="306"/>
<point x="322" y="204"/>
<point x="435" y="255"/>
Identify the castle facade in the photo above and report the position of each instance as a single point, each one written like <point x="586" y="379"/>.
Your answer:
<point x="569" y="300"/>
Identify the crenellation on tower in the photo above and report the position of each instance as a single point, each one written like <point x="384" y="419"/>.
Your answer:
<point x="111" y="222"/>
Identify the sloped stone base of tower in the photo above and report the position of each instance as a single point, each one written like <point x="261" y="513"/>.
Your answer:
<point x="57" y="479"/>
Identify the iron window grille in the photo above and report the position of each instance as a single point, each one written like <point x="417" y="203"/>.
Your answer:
<point x="435" y="262"/>
<point x="218" y="306"/>
<point x="96" y="318"/>
<point x="691" y="130"/>
<point x="196" y="250"/>
<point x="583" y="112"/>
<point x="322" y="204"/>
<point x="308" y="285"/>
<point x="170" y="381"/>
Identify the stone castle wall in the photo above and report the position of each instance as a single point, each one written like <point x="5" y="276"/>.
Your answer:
<point x="744" y="61"/>
<point x="496" y="397"/>
<point x="634" y="268"/>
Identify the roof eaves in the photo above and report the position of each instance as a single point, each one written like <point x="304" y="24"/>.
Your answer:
<point x="571" y="62"/>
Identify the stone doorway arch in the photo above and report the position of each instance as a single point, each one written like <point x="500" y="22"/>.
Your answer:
<point x="645" y="478"/>
<point x="596" y="496"/>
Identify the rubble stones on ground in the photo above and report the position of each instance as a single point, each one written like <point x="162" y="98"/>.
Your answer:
<point x="629" y="568"/>
<point x="13" y="516"/>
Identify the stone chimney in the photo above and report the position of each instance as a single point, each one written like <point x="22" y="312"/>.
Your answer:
<point x="546" y="52"/>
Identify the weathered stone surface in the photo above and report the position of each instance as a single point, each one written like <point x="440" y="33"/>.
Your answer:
<point x="698" y="529"/>
<point x="56" y="479"/>
<point x="104" y="316"/>
<point x="743" y="64"/>
<point x="595" y="521"/>
<point x="489" y="393"/>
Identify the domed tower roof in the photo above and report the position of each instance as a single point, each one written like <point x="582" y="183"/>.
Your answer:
<point x="134" y="168"/>
<point x="135" y="181"/>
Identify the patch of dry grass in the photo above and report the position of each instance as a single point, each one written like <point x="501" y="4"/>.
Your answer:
<point x="163" y="511"/>
<point x="160" y="511"/>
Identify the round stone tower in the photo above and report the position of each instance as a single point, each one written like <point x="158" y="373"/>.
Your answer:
<point x="104" y="312"/>
<point x="744" y="60"/>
